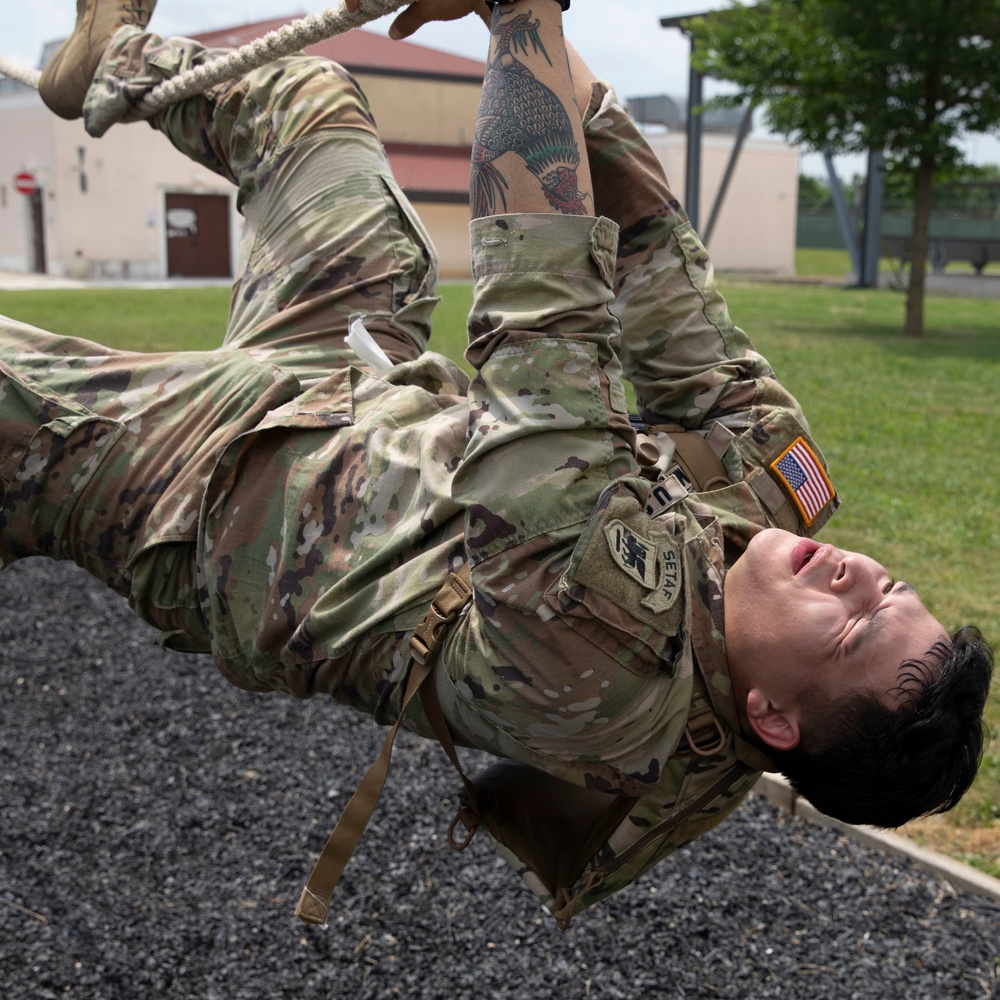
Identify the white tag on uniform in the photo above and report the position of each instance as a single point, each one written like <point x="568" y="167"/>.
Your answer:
<point x="364" y="346"/>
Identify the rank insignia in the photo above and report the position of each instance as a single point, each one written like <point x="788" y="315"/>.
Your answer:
<point x="799" y="470"/>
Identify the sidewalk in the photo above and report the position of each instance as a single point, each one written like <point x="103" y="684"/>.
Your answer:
<point x="13" y="281"/>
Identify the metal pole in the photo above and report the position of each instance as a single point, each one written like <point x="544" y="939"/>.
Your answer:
<point x="873" y="219"/>
<point x="692" y="176"/>
<point x="850" y="241"/>
<point x="745" y="126"/>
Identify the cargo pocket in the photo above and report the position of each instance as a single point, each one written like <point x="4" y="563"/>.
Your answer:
<point x="251" y="516"/>
<point x="53" y="479"/>
<point x="415" y="287"/>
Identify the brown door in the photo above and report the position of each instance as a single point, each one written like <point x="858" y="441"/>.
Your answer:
<point x="198" y="236"/>
<point x="37" y="232"/>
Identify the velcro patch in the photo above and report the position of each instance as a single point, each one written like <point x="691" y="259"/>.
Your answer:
<point x="669" y="585"/>
<point x="664" y="494"/>
<point x="656" y="565"/>
<point x="632" y="553"/>
<point x="799" y="470"/>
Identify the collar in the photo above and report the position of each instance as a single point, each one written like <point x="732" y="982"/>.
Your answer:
<point x="723" y="531"/>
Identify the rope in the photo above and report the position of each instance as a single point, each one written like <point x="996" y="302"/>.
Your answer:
<point x="275" y="44"/>
<point x="288" y="38"/>
<point x="8" y="67"/>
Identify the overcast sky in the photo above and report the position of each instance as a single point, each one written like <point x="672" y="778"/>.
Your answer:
<point x="621" y="40"/>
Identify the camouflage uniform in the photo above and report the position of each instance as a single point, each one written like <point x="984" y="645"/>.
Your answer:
<point x="293" y="511"/>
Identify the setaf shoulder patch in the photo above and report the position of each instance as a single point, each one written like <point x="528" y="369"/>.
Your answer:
<point x="802" y="475"/>
<point x="626" y="572"/>
<point x="654" y="564"/>
<point x="632" y="553"/>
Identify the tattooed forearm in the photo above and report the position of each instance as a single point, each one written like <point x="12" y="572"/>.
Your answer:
<point x="519" y="114"/>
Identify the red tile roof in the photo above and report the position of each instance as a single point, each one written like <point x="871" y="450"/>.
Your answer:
<point x="437" y="172"/>
<point x="360" y="50"/>
<point x="431" y="170"/>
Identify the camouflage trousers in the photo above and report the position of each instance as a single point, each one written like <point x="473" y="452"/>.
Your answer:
<point x="104" y="454"/>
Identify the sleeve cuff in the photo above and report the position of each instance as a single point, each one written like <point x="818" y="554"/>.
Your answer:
<point x="570" y="245"/>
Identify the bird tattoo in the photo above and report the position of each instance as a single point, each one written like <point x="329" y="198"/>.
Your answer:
<point x="519" y="114"/>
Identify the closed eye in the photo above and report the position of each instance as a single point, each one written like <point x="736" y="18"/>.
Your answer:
<point x="863" y="631"/>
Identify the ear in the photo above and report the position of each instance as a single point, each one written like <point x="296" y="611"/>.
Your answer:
<point x="778" y="728"/>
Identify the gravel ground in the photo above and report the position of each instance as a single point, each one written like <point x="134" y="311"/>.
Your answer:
<point x="156" y="826"/>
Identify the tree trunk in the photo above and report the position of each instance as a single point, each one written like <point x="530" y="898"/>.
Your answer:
<point x="922" y="178"/>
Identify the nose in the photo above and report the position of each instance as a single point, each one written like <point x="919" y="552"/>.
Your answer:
<point x="851" y="573"/>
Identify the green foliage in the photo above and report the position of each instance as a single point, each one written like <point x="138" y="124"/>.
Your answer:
<point x="906" y="76"/>
<point x="966" y="191"/>
<point x="814" y="194"/>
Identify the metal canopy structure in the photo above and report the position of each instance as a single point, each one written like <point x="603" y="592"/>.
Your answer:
<point x="864" y="252"/>
<point x="695" y="133"/>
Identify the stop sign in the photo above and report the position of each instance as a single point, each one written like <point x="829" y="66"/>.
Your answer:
<point x="25" y="182"/>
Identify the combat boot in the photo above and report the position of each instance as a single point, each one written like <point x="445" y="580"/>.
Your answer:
<point x="70" y="71"/>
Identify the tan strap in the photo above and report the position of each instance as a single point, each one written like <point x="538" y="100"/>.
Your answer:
<point x="426" y="642"/>
<point x="704" y="734"/>
<point x="697" y="458"/>
<point x="707" y="730"/>
<point x="428" y="637"/>
<point x="432" y="709"/>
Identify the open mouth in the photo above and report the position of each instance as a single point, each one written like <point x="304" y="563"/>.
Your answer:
<point x="803" y="553"/>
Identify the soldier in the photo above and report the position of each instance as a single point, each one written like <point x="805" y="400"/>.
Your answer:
<point x="652" y="623"/>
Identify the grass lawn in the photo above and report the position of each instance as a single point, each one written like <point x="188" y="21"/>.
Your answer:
<point x="813" y="262"/>
<point x="909" y="429"/>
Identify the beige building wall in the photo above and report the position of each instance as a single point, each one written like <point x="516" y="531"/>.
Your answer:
<point x="755" y="230"/>
<point x="448" y="225"/>
<point x="435" y="112"/>
<point x="129" y="172"/>
<point x="117" y="227"/>
<point x="25" y="146"/>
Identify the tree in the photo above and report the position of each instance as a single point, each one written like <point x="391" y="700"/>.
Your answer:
<point x="814" y="195"/>
<point x="970" y="192"/>
<point x="908" y="77"/>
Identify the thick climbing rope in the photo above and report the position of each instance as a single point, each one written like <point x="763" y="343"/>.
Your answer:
<point x="275" y="44"/>
<point x="288" y="38"/>
<point x="18" y="71"/>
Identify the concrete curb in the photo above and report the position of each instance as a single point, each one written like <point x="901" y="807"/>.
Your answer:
<point x="780" y="793"/>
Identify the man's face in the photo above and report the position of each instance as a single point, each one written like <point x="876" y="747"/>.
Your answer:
<point x="804" y="617"/>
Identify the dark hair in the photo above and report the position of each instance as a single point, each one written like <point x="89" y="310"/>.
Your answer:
<point x="865" y="763"/>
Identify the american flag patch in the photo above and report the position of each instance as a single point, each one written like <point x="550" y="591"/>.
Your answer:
<point x="798" y="469"/>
